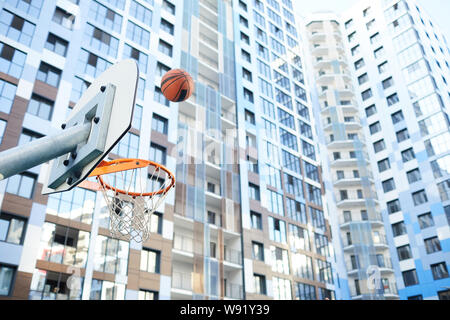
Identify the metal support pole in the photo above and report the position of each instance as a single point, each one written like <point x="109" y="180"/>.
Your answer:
<point x="22" y="158"/>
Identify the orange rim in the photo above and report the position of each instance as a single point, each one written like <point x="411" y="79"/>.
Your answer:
<point x="106" y="167"/>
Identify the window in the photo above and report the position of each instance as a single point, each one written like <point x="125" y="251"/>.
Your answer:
<point x="16" y="28"/>
<point x="165" y="48"/>
<point x="257" y="251"/>
<point x="371" y="110"/>
<point x="379" y="52"/>
<point x="439" y="270"/>
<point x="408" y="155"/>
<point x="169" y="7"/>
<point x="392" y="99"/>
<point x="105" y="16"/>
<point x="260" y="284"/>
<point x="349" y="24"/>
<point x="280" y="261"/>
<point x="419" y="197"/>
<point x="141" y="13"/>
<point x="384" y="165"/>
<point x="63" y="245"/>
<point x="367" y="94"/>
<point x="305" y="291"/>
<point x="137" y="117"/>
<point x="397" y="117"/>
<point x="12" y="228"/>
<point x="7" y="94"/>
<point x="56" y="44"/>
<point x="308" y="150"/>
<point x="404" y="252"/>
<point x="379" y="146"/>
<point x="399" y="229"/>
<point x="140" y="57"/>
<point x="161" y="69"/>
<point x="325" y="273"/>
<point x="245" y="38"/>
<point x="106" y="290"/>
<point x="77" y="204"/>
<point x="248" y="95"/>
<point x="147" y="295"/>
<point x="351" y="36"/>
<point x="247" y="75"/>
<point x="410" y="278"/>
<point x="157" y="153"/>
<point x="393" y="206"/>
<point x="277" y="230"/>
<point x="150" y="260"/>
<point x="296" y="210"/>
<point x="128" y="146"/>
<point x="359" y="64"/>
<point x="444" y="295"/>
<point x="402" y="135"/>
<point x="413" y="175"/>
<point x="382" y="68"/>
<point x="355" y="50"/>
<point x="64" y="18"/>
<point x="33" y="8"/>
<point x="159" y="97"/>
<point x="141" y="36"/>
<point x="432" y="245"/>
<point x="363" y="78"/>
<point x="12" y="60"/>
<point x="375" y="127"/>
<point x="48" y="74"/>
<point x="288" y="139"/>
<point x="159" y="124"/>
<point x="2" y="129"/>
<point x="253" y="192"/>
<point x="243" y="5"/>
<point x="322" y="247"/>
<point x="388" y="185"/>
<point x="22" y="185"/>
<point x="245" y="55"/>
<point x="48" y="285"/>
<point x="256" y="220"/>
<point x="91" y="64"/>
<point x="40" y="107"/>
<point x="425" y="220"/>
<point x="7" y="274"/>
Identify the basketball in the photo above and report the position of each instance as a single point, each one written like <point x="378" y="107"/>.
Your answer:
<point x="177" y="85"/>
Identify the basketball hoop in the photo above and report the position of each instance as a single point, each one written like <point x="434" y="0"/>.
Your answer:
<point x="133" y="189"/>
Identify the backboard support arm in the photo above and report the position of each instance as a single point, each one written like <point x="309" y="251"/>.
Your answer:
<point x="22" y="158"/>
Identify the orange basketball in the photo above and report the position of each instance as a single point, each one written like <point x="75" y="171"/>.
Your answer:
<point x="177" y="85"/>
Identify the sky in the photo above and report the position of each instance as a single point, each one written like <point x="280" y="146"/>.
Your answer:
<point x="438" y="10"/>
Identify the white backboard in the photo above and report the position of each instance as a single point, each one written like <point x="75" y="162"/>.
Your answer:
<point x="110" y="99"/>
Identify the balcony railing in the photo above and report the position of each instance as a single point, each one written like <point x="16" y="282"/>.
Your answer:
<point x="182" y="280"/>
<point x="183" y="243"/>
<point x="233" y="291"/>
<point x="233" y="256"/>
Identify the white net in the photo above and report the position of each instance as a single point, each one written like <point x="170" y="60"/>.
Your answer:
<point x="130" y="210"/>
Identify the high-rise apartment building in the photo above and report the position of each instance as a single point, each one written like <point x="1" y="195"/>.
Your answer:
<point x="351" y="196"/>
<point x="286" y="234"/>
<point x="401" y="64"/>
<point x="257" y="211"/>
<point x="246" y="219"/>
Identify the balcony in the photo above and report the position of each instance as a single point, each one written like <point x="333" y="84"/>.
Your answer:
<point x="182" y="281"/>
<point x="319" y="51"/>
<point x="233" y="291"/>
<point x="346" y="221"/>
<point x="318" y="36"/>
<point x="347" y="182"/>
<point x="353" y="203"/>
<point x="233" y="256"/>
